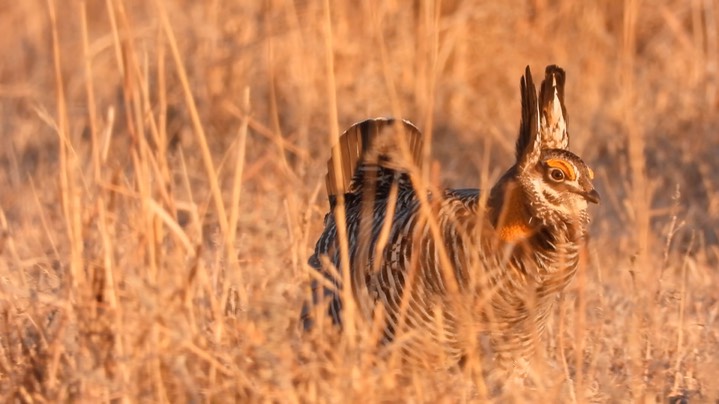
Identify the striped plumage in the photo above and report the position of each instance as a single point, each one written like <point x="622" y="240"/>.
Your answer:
<point x="499" y="265"/>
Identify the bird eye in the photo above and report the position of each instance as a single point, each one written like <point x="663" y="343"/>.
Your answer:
<point x="556" y="174"/>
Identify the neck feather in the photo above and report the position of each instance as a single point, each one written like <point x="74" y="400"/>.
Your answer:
<point x="510" y="216"/>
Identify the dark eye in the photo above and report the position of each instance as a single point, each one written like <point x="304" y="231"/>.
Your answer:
<point x="556" y="174"/>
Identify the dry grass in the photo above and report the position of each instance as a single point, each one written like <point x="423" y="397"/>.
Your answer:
<point x="160" y="189"/>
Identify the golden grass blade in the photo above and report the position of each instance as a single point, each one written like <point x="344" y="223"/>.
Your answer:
<point x="349" y="310"/>
<point x="195" y="117"/>
<point x="236" y="192"/>
<point x="172" y="225"/>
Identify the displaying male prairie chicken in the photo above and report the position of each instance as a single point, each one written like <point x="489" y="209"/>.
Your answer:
<point x="443" y="267"/>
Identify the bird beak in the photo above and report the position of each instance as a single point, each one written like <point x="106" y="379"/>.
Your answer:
<point x="592" y="196"/>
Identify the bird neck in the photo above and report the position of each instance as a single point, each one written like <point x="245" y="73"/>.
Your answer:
<point x="510" y="217"/>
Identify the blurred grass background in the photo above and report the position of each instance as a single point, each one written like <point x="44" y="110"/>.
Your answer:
<point x="161" y="187"/>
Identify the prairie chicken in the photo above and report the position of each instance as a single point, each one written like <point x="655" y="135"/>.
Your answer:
<point x="442" y="264"/>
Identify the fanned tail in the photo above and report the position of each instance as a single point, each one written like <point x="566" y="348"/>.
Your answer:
<point x="380" y="145"/>
<point x="368" y="158"/>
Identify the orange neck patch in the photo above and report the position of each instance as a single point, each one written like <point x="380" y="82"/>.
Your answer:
<point x="512" y="225"/>
<point x="565" y="166"/>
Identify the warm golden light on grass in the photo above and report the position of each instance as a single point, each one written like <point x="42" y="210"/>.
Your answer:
<point x="161" y="174"/>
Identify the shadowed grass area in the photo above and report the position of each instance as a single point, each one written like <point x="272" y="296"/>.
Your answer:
<point x="162" y="184"/>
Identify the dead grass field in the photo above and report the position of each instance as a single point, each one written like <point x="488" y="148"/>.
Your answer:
<point x="161" y="187"/>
